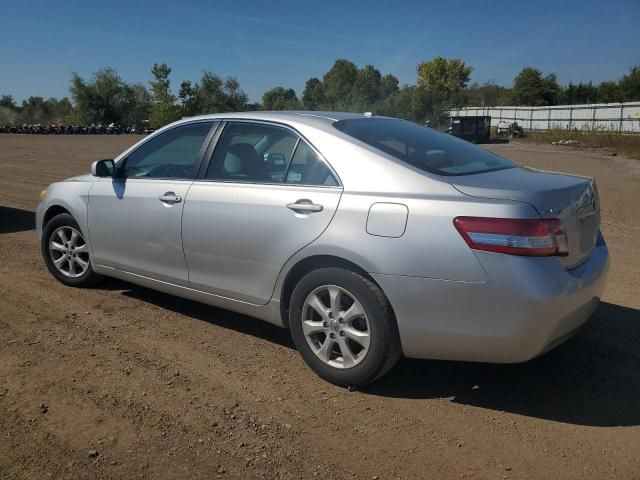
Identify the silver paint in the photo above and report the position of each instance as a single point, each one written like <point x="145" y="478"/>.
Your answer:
<point x="232" y="245"/>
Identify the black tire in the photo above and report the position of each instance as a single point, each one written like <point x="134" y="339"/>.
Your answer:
<point x="89" y="277"/>
<point x="384" y="348"/>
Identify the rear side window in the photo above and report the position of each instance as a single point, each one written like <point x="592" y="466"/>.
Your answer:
<point x="307" y="168"/>
<point x="423" y="147"/>
<point x="263" y="153"/>
<point x="252" y="152"/>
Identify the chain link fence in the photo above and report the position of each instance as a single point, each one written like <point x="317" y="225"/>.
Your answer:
<point x="610" y="117"/>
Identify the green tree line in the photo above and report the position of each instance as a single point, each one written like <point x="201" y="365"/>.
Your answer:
<point x="441" y="84"/>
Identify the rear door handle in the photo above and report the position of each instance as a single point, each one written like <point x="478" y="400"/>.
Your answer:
<point x="170" y="198"/>
<point x="304" y="206"/>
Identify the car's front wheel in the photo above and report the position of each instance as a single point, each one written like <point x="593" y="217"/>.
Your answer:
<point x="66" y="252"/>
<point x="343" y="326"/>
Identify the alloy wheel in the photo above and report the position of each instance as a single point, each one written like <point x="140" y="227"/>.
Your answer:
<point x="335" y="326"/>
<point x="69" y="252"/>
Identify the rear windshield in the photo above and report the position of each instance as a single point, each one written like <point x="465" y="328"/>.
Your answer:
<point x="423" y="147"/>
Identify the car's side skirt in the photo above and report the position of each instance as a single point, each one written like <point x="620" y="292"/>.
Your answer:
<point x="269" y="312"/>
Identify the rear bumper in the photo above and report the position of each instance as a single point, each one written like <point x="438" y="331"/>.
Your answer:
<point x="528" y="306"/>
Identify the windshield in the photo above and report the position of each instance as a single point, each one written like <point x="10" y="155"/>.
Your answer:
<point x="423" y="147"/>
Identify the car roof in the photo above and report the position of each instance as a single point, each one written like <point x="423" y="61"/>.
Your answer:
<point x="320" y="120"/>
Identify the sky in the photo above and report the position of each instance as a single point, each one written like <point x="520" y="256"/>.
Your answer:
<point x="276" y="43"/>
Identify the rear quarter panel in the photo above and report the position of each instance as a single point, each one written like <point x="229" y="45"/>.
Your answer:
<point x="430" y="247"/>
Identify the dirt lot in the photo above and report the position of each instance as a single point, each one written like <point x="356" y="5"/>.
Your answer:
<point x="122" y="382"/>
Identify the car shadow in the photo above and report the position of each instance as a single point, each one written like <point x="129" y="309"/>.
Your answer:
<point x="200" y="311"/>
<point x="593" y="379"/>
<point x="16" y="220"/>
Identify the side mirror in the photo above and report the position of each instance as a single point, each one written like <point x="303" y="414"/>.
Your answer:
<point x="103" y="168"/>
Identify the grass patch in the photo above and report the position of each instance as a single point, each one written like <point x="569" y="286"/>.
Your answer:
<point x="615" y="143"/>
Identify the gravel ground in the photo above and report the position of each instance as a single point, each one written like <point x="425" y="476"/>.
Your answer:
<point x="122" y="382"/>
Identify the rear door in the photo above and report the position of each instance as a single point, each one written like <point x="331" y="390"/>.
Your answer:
<point x="135" y="219"/>
<point x="265" y="194"/>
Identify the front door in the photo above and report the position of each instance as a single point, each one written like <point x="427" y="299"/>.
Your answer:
<point x="265" y="195"/>
<point x="135" y="217"/>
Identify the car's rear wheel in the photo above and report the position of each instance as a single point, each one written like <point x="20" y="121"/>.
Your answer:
<point x="343" y="326"/>
<point x="66" y="252"/>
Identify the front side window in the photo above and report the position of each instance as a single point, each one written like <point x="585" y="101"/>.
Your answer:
<point x="172" y="154"/>
<point x="252" y="152"/>
<point x="422" y="147"/>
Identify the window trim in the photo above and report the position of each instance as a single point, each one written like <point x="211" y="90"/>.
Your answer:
<point x="290" y="162"/>
<point x="208" y="155"/>
<point x="290" y="159"/>
<point x="214" y="125"/>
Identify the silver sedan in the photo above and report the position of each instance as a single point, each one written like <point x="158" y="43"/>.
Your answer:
<point x="368" y="237"/>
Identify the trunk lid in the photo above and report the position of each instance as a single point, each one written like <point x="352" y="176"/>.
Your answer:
<point x="572" y="199"/>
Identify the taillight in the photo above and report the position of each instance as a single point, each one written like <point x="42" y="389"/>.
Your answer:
<point x="539" y="238"/>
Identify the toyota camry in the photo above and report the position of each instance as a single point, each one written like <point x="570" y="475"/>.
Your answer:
<point x="367" y="237"/>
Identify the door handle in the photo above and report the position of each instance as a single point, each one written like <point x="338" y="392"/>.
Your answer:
<point x="170" y="198"/>
<point x="304" y="206"/>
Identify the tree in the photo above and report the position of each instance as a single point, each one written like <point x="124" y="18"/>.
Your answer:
<point x="345" y="87"/>
<point x="163" y="109"/>
<point x="630" y="84"/>
<point x="609" y="92"/>
<point x="338" y="82"/>
<point x="8" y="110"/>
<point x="367" y="88"/>
<point x="188" y="98"/>
<point x="532" y="89"/>
<point x="441" y="82"/>
<point x="389" y="86"/>
<point x="579" y="94"/>
<point x="61" y="109"/>
<point x="445" y="77"/>
<point x="7" y="101"/>
<point x="488" y="94"/>
<point x="7" y="116"/>
<point x="551" y="89"/>
<point x="102" y="99"/>
<point x="221" y="95"/>
<point x="313" y="95"/>
<point x="84" y="100"/>
<point x="279" y="98"/>
<point x="424" y="107"/>
<point x="235" y="98"/>
<point x="400" y="103"/>
<point x="37" y="110"/>
<point x="135" y="104"/>
<point x="212" y="95"/>
<point x="106" y="98"/>
<point x="34" y="110"/>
